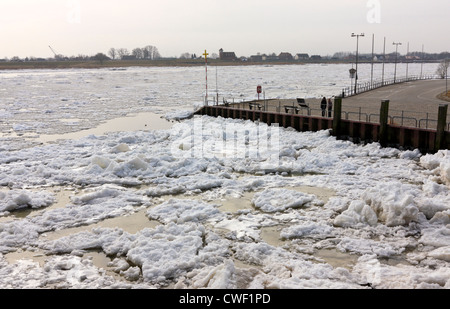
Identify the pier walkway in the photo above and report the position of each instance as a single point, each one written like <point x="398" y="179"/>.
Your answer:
<point x="412" y="104"/>
<point x="414" y="117"/>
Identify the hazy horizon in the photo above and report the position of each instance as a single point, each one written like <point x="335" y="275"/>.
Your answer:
<point x="322" y="27"/>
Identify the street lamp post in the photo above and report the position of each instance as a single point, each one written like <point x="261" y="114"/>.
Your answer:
<point x="357" y="51"/>
<point x="396" y="56"/>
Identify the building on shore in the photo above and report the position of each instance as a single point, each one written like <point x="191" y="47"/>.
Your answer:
<point x="285" y="57"/>
<point x="129" y="57"/>
<point x="256" y="58"/>
<point x="271" y="57"/>
<point x="301" y="57"/>
<point x="229" y="56"/>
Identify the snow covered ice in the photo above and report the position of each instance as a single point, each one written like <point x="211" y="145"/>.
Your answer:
<point x="173" y="208"/>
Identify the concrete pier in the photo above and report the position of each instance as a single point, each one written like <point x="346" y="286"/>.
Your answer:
<point x="388" y="130"/>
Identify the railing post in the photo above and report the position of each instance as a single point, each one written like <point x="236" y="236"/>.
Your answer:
<point x="337" y="116"/>
<point x="442" y="122"/>
<point x="384" y="115"/>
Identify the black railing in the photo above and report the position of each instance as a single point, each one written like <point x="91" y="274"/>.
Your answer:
<point x="368" y="86"/>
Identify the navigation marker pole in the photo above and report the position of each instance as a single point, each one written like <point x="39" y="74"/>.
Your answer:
<point x="206" y="68"/>
<point x="217" y="89"/>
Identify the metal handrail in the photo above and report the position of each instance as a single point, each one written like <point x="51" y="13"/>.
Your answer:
<point x="362" y="116"/>
<point x="368" y="86"/>
<point x="403" y="118"/>
<point x="426" y="120"/>
<point x="398" y="116"/>
<point x="356" y="113"/>
<point x="378" y="115"/>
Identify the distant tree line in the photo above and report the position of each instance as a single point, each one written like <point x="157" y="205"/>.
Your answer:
<point x="195" y="56"/>
<point x="148" y="52"/>
<point x="431" y="56"/>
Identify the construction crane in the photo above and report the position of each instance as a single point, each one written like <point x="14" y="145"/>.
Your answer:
<point x="57" y="56"/>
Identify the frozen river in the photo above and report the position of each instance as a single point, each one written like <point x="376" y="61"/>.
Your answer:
<point x="206" y="202"/>
<point x="36" y="103"/>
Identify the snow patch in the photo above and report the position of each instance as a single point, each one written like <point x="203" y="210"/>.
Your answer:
<point x="393" y="202"/>
<point x="309" y="229"/>
<point x="439" y="164"/>
<point x="181" y="211"/>
<point x="358" y="213"/>
<point x="278" y="199"/>
<point x="19" y="199"/>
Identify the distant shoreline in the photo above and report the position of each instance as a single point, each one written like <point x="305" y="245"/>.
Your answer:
<point x="91" y="64"/>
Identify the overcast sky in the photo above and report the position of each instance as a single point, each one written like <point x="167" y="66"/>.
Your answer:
<point x="74" y="27"/>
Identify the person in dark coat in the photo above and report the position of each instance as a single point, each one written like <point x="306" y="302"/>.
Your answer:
<point x="323" y="106"/>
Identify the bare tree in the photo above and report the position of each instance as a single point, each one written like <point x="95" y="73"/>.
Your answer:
<point x="138" y="53"/>
<point x="442" y="69"/>
<point x="342" y="55"/>
<point x="151" y="52"/>
<point x="100" y="57"/>
<point x="80" y="57"/>
<point x="123" y="52"/>
<point x="113" y="53"/>
<point x="185" y="56"/>
<point x="156" y="54"/>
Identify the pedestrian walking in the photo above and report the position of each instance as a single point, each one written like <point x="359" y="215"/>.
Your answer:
<point x="323" y="106"/>
<point x="330" y="107"/>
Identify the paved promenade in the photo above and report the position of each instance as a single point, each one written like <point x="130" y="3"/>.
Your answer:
<point x="411" y="104"/>
<point x="412" y="97"/>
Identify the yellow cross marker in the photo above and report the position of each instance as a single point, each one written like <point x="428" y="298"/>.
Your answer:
<point x="206" y="68"/>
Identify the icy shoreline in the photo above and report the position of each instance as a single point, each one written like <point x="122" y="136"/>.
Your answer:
<point x="390" y="210"/>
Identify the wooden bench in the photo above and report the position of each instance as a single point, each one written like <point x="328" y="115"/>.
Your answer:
<point x="289" y="108"/>
<point x="255" y="105"/>
<point x="302" y="103"/>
